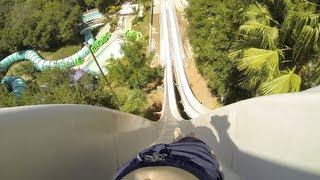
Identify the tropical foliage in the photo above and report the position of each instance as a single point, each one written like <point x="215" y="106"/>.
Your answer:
<point x="269" y="44"/>
<point x="53" y="26"/>
<point x="213" y="27"/>
<point x="129" y="80"/>
<point x="274" y="44"/>
<point x="38" y="24"/>
<point x="133" y="76"/>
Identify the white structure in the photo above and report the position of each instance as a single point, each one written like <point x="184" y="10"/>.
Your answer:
<point x="273" y="137"/>
<point x="127" y="9"/>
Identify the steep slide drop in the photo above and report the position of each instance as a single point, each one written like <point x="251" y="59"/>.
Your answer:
<point x="273" y="137"/>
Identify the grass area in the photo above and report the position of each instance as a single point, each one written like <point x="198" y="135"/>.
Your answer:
<point x="20" y="69"/>
<point x="60" y="53"/>
<point x="154" y="96"/>
<point x="142" y="25"/>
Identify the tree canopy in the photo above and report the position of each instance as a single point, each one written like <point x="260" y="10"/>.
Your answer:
<point x="40" y="24"/>
<point x="276" y="49"/>
<point x="247" y="48"/>
<point x="131" y="79"/>
<point x="133" y="76"/>
<point x="56" y="86"/>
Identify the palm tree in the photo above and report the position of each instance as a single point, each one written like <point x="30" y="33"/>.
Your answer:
<point x="259" y="65"/>
<point x="267" y="35"/>
<point x="269" y="44"/>
<point x="287" y="81"/>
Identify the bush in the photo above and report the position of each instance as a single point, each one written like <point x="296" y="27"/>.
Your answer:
<point x="113" y="9"/>
<point x="114" y="21"/>
<point x="212" y="31"/>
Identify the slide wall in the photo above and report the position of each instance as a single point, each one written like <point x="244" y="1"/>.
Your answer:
<point x="274" y="137"/>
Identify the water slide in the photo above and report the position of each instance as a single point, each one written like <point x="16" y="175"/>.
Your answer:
<point x="15" y="84"/>
<point x="172" y="56"/>
<point x="42" y="64"/>
<point x="273" y="137"/>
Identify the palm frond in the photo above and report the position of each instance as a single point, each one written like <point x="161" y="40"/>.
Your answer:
<point x="235" y="54"/>
<point x="258" y="13"/>
<point x="308" y="38"/>
<point x="295" y="21"/>
<point x="287" y="82"/>
<point x="256" y="60"/>
<point x="250" y="83"/>
<point x="267" y="34"/>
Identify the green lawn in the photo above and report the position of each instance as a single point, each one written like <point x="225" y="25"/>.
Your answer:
<point x="19" y="69"/>
<point x="63" y="52"/>
<point x="143" y="26"/>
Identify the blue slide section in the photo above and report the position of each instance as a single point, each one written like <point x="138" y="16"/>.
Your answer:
<point x="15" y="84"/>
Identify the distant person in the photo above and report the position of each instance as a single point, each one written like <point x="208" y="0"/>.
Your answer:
<point x="187" y="158"/>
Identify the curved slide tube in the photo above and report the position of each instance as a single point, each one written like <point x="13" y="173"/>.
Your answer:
<point x="16" y="84"/>
<point x="42" y="64"/>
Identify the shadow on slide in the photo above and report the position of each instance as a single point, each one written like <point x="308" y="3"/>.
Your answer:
<point x="237" y="163"/>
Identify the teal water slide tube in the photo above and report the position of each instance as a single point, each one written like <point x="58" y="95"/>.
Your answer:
<point x="15" y="84"/>
<point x="42" y="64"/>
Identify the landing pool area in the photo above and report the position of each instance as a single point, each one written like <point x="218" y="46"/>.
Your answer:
<point x="91" y="15"/>
<point x="109" y="50"/>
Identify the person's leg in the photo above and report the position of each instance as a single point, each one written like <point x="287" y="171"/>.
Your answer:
<point x="179" y="137"/>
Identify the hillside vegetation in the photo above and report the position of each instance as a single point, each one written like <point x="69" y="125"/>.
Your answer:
<point x="52" y="28"/>
<point x="129" y="80"/>
<point x="43" y="24"/>
<point x="251" y="48"/>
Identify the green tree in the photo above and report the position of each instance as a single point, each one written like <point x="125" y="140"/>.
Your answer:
<point x="40" y="24"/>
<point x="7" y="99"/>
<point x="132" y="76"/>
<point x="102" y="5"/>
<point x="212" y="30"/>
<point x="287" y="42"/>
<point x="134" y="68"/>
<point x="56" y="86"/>
<point x="135" y="102"/>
